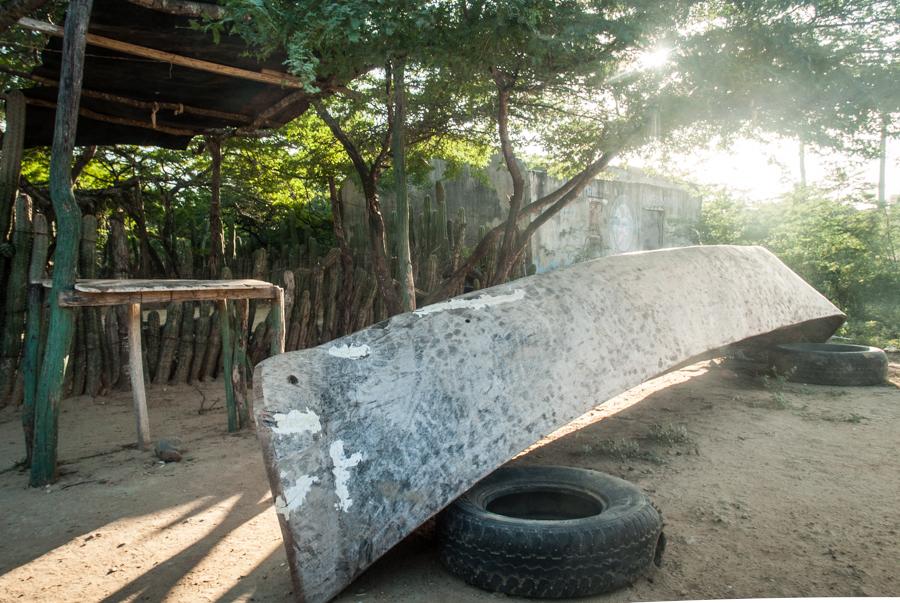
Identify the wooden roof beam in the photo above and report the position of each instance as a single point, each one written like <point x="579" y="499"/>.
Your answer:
<point x="265" y="76"/>
<point x="183" y="8"/>
<point x="112" y="119"/>
<point x="139" y="104"/>
<point x="249" y="131"/>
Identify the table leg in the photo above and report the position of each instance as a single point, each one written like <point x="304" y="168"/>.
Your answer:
<point x="277" y="323"/>
<point x="137" y="376"/>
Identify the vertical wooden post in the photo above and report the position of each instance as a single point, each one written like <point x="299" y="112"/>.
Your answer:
<point x="240" y="372"/>
<point x="68" y="220"/>
<point x="216" y="234"/>
<point x="228" y="358"/>
<point x="31" y="357"/>
<point x="276" y="323"/>
<point x="136" y="365"/>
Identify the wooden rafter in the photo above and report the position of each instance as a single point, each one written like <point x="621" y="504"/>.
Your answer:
<point x="278" y="107"/>
<point x="265" y="76"/>
<point x="183" y="8"/>
<point x="122" y="121"/>
<point x="139" y="104"/>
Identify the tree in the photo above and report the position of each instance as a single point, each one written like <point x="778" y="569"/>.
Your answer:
<point x="589" y="80"/>
<point x="840" y="244"/>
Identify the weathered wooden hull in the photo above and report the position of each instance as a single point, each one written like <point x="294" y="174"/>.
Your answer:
<point x="367" y="437"/>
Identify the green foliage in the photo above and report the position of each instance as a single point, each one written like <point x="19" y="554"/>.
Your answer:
<point x="846" y="248"/>
<point x="581" y="75"/>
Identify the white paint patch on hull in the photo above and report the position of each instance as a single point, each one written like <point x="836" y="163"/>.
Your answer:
<point x="474" y="303"/>
<point x="295" y="495"/>
<point x="350" y="352"/>
<point x="296" y="421"/>
<point x="342" y="466"/>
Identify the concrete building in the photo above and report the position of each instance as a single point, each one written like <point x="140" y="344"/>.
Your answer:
<point x="624" y="210"/>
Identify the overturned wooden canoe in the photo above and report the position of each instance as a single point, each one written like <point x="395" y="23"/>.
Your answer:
<point x="368" y="436"/>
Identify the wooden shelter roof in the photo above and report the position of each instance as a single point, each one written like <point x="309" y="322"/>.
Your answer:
<point x="150" y="78"/>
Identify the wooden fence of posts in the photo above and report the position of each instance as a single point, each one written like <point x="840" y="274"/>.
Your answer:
<point x="182" y="342"/>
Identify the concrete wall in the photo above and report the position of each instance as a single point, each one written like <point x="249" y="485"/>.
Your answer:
<point x="625" y="211"/>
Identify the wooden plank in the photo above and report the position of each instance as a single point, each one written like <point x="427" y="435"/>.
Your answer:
<point x="111" y="292"/>
<point x="103" y="285"/>
<point x="266" y="77"/>
<point x="137" y="376"/>
<point x="74" y="298"/>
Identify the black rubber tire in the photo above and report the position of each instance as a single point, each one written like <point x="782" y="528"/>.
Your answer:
<point x="551" y="558"/>
<point x="830" y="363"/>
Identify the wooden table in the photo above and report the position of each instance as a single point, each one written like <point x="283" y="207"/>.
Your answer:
<point x="113" y="292"/>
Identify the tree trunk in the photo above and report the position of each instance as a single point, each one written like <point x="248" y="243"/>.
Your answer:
<point x="375" y="220"/>
<point x="506" y="256"/>
<point x="346" y="292"/>
<point x="549" y="205"/>
<point x="149" y="263"/>
<point x="802" y="159"/>
<point x="882" y="162"/>
<point x="216" y="234"/>
<point x="380" y="265"/>
<point x="68" y="220"/>
<point x="398" y="148"/>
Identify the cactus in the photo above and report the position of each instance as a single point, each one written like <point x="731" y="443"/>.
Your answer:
<point x="11" y="160"/>
<point x="168" y="343"/>
<point x="17" y="288"/>
<point x="91" y="316"/>
<point x="213" y="353"/>
<point x="201" y="341"/>
<point x="302" y="339"/>
<point x="152" y="339"/>
<point x="185" y="353"/>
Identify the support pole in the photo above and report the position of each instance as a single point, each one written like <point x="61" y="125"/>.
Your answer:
<point x="136" y="365"/>
<point x="276" y="323"/>
<point x="31" y="359"/>
<point x="68" y="219"/>
<point x="227" y="364"/>
<point x="228" y="359"/>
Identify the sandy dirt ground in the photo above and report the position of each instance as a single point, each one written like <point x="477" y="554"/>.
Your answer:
<point x="768" y="490"/>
